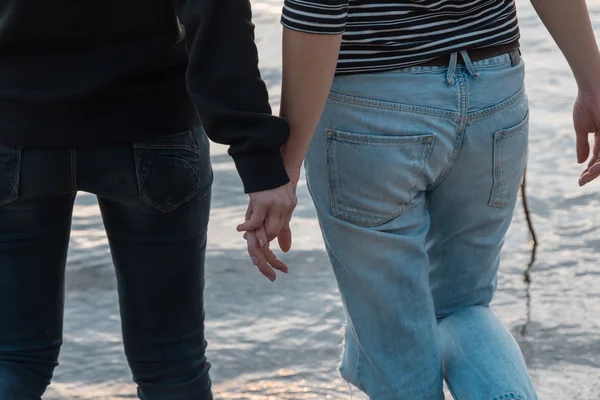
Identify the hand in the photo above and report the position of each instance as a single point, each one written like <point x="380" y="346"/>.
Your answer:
<point x="266" y="261"/>
<point x="269" y="214"/>
<point x="586" y="117"/>
<point x="285" y="236"/>
<point x="261" y="254"/>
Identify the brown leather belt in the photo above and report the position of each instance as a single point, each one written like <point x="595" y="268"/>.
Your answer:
<point x="479" y="54"/>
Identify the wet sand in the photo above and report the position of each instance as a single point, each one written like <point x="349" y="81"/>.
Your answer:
<point x="281" y="341"/>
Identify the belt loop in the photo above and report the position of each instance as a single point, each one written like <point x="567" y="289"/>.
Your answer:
<point x="451" y="69"/>
<point x="515" y="57"/>
<point x="469" y="64"/>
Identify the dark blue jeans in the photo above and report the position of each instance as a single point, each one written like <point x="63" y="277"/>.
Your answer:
<point x="155" y="200"/>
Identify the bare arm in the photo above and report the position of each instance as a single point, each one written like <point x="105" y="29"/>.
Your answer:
<point x="312" y="37"/>
<point x="568" y="22"/>
<point x="309" y="62"/>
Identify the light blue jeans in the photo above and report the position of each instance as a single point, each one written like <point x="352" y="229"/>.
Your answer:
<point x="415" y="175"/>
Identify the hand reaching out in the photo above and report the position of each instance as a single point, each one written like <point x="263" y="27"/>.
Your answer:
<point x="586" y="118"/>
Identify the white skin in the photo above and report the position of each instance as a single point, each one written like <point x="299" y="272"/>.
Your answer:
<point x="309" y="62"/>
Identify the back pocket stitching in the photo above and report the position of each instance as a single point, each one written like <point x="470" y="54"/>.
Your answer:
<point x="12" y="175"/>
<point x="157" y="146"/>
<point x="496" y="196"/>
<point x="353" y="138"/>
<point x="143" y="171"/>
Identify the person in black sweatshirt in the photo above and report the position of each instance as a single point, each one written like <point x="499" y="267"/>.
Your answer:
<point x="116" y="98"/>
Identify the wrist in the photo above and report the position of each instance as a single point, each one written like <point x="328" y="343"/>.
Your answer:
<point x="291" y="160"/>
<point x="292" y="166"/>
<point x="588" y="80"/>
<point x="588" y="86"/>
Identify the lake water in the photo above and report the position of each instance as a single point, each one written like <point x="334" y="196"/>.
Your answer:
<point x="282" y="341"/>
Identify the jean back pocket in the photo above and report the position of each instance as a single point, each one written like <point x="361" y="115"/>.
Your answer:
<point x="170" y="169"/>
<point x="510" y="159"/>
<point x="373" y="178"/>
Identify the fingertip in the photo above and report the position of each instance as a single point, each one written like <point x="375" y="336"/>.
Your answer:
<point x="246" y="227"/>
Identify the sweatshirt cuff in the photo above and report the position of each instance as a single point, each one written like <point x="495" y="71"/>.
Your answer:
<point x="261" y="171"/>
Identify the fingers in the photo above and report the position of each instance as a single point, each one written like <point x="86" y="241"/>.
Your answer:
<point x="264" y="258"/>
<point x="285" y="236"/>
<point x="249" y="211"/>
<point x="253" y="248"/>
<point x="257" y="257"/>
<point x="274" y="224"/>
<point x="592" y="170"/>
<point x="267" y="217"/>
<point x="270" y="207"/>
<point x="596" y="149"/>
<point x="590" y="174"/>
<point x="256" y="219"/>
<point x="582" y="146"/>
<point x="261" y="235"/>
<point x="274" y="261"/>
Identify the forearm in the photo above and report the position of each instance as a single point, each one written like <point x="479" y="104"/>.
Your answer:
<point x="569" y="24"/>
<point x="309" y="63"/>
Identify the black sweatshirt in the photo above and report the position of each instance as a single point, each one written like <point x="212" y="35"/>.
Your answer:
<point x="91" y="73"/>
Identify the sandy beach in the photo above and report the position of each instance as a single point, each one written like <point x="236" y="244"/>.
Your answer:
<point x="281" y="341"/>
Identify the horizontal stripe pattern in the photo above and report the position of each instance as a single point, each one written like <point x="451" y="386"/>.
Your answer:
<point x="389" y="34"/>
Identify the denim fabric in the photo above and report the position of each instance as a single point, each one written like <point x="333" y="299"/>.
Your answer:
<point x="415" y="175"/>
<point x="155" y="200"/>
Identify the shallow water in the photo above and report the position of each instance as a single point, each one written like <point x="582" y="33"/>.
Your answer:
<point x="281" y="341"/>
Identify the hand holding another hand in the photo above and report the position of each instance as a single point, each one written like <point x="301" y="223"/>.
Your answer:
<point x="268" y="217"/>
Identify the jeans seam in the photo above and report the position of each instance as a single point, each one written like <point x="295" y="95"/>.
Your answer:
<point x="166" y="210"/>
<point x="486" y="113"/>
<point x="511" y="396"/>
<point x="18" y="177"/>
<point x="195" y="138"/>
<point x="459" y="136"/>
<point x="156" y="146"/>
<point x="384" y="105"/>
<point x="165" y="147"/>
<point x="505" y="396"/>
<point x="496" y="196"/>
<point x="454" y="396"/>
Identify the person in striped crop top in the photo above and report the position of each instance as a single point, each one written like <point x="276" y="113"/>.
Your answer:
<point x="413" y="118"/>
<point x="384" y="35"/>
